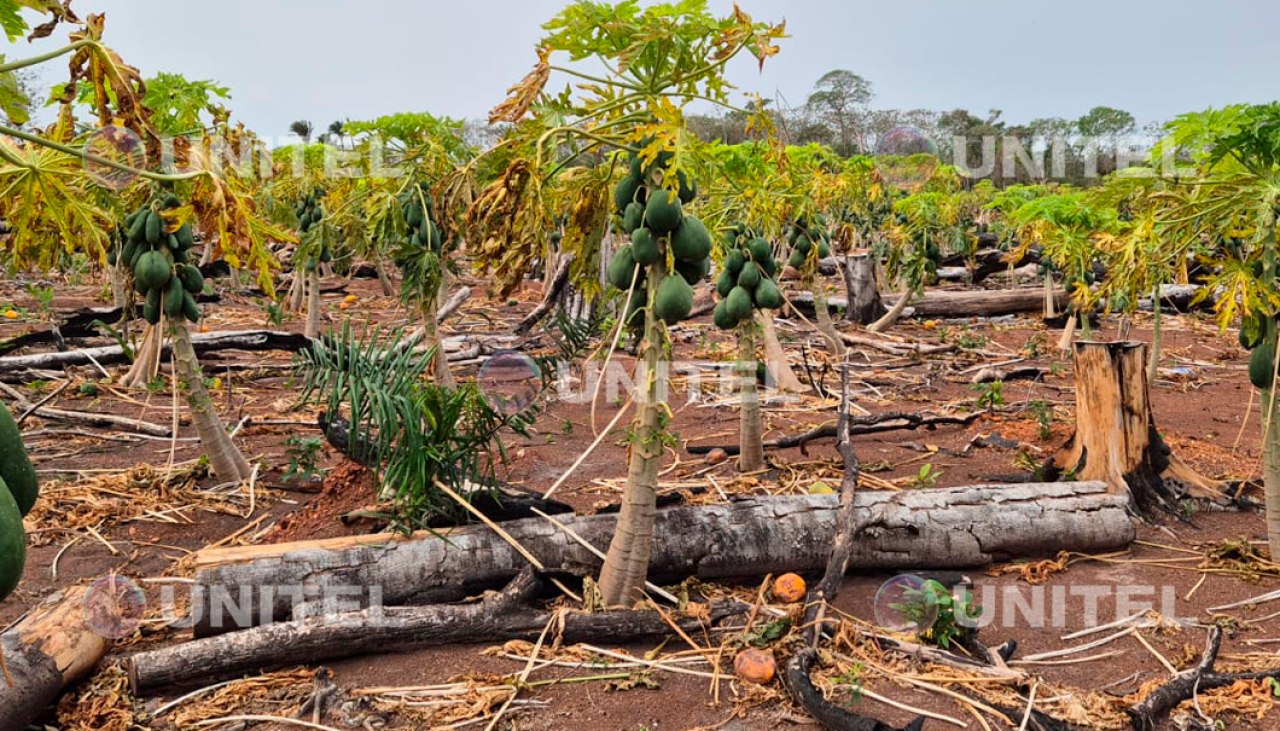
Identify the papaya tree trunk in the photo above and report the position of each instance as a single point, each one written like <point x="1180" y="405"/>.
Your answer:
<point x="297" y="292"/>
<point x="1050" y="310"/>
<point x="311" y="284"/>
<point x="860" y="285"/>
<point x="1068" y="333"/>
<point x="384" y="278"/>
<point x="236" y="282"/>
<point x="146" y="361"/>
<point x="751" y="437"/>
<point x="892" y="315"/>
<point x="776" y="357"/>
<point x="120" y="294"/>
<point x="823" y="316"/>
<point x="431" y="339"/>
<point x="1271" y="466"/>
<point x="225" y="458"/>
<point x="1157" y="337"/>
<point x="1116" y="440"/>
<point x="626" y="565"/>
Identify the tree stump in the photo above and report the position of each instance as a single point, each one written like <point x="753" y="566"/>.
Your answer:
<point x="860" y="283"/>
<point x="1116" y="440"/>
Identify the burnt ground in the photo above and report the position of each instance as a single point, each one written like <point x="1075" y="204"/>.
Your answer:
<point x="107" y="509"/>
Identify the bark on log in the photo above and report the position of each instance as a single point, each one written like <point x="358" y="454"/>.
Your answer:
<point x="554" y="289"/>
<point x="45" y="652"/>
<point x="382" y="629"/>
<point x="1116" y="440"/>
<point x="860" y="285"/>
<point x="982" y="303"/>
<point x="954" y="527"/>
<point x="247" y="340"/>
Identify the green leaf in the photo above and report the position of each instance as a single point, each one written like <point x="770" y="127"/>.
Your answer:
<point x="13" y="101"/>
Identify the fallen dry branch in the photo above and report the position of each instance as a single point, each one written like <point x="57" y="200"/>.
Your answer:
<point x="942" y="528"/>
<point x="554" y="290"/>
<point x="502" y="617"/>
<point x="955" y="304"/>
<point x="872" y="424"/>
<point x="247" y="340"/>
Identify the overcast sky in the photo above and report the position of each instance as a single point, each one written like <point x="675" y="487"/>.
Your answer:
<point x="332" y="59"/>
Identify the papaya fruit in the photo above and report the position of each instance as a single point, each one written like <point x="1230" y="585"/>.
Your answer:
<point x="414" y="217"/>
<point x="1262" y="366"/>
<point x="663" y="213"/>
<point x="170" y="201"/>
<point x="760" y="249"/>
<point x="174" y="294"/>
<point x="688" y="188"/>
<point x="797" y="259"/>
<point x="738" y="304"/>
<point x="674" y="300"/>
<point x="128" y="254"/>
<point x="171" y="240"/>
<point x="644" y="247"/>
<point x="186" y="239"/>
<point x="13" y="543"/>
<point x="138" y="229"/>
<point x="190" y="310"/>
<point x="632" y="217"/>
<point x="15" y="467"/>
<point x="153" y="270"/>
<point x="626" y="192"/>
<point x="824" y="250"/>
<point x="804" y="245"/>
<point x="769" y="266"/>
<point x="691" y="241"/>
<point x="767" y="296"/>
<point x="155" y="228"/>
<point x="151" y="308"/>
<point x="635" y="309"/>
<point x="1251" y="331"/>
<point x="720" y="316"/>
<point x="733" y="262"/>
<point x="180" y="256"/>
<point x="749" y="277"/>
<point x="621" y="268"/>
<point x="695" y="272"/>
<point x="725" y="283"/>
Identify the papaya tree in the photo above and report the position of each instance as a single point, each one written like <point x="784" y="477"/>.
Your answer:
<point x="1228" y="203"/>
<point x="655" y="61"/>
<point x="914" y="249"/>
<point x="48" y="196"/>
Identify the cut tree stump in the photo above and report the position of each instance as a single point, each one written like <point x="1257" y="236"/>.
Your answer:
<point x="1116" y="441"/>
<point x="503" y="617"/>
<point x="942" y="528"/>
<point x="44" y="653"/>
<point x="860" y="283"/>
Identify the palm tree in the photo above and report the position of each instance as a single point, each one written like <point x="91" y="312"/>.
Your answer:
<point x="336" y="132"/>
<point x="302" y="128"/>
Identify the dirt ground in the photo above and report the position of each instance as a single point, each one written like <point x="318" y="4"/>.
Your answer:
<point x="109" y="507"/>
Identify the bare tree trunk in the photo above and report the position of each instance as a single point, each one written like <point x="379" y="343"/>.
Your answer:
<point x="1116" y="441"/>
<point x="864" y="304"/>
<point x="146" y="362"/>
<point x="225" y="458"/>
<point x="626" y="565"/>
<point x="120" y="294"/>
<point x="751" y="437"/>
<point x="892" y="315"/>
<point x="384" y="278"/>
<point x="311" y="283"/>
<point x="1068" y="333"/>
<point x="206" y="257"/>
<point x="431" y="339"/>
<point x="1271" y="465"/>
<point x="236" y="282"/>
<point x="823" y="315"/>
<point x="1157" y="337"/>
<point x="1049" y="297"/>
<point x="297" y="291"/>
<point x="776" y="357"/>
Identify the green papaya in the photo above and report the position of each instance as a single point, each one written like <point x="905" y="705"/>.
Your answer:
<point x="694" y="272"/>
<point x="769" y="266"/>
<point x="804" y="245"/>
<point x="132" y="218"/>
<point x="15" y="467"/>
<point x="1262" y="369"/>
<point x="326" y="256"/>
<point x="128" y="254"/>
<point x="691" y="242"/>
<point x="622" y="268"/>
<point x="688" y="188"/>
<point x="414" y="218"/>
<point x="635" y="309"/>
<point x="739" y="304"/>
<point x="1251" y="331"/>
<point x="186" y="238"/>
<point x="180" y="256"/>
<point x="644" y="247"/>
<point x="824" y="250"/>
<point x="138" y="229"/>
<point x="171" y="201"/>
<point x="749" y="277"/>
<point x="760" y="249"/>
<point x="155" y="228"/>
<point x="633" y="217"/>
<point x="192" y="279"/>
<point x="767" y="296"/>
<point x="797" y="259"/>
<point x="725" y="283"/>
<point x="153" y="270"/>
<point x="674" y="300"/>
<point x="174" y="294"/>
<point x="733" y="262"/>
<point x="720" y="316"/>
<point x="151" y="307"/>
<point x="663" y="213"/>
<point x="626" y="192"/>
<point x="171" y="240"/>
<point x="190" y="309"/>
<point x="13" y="543"/>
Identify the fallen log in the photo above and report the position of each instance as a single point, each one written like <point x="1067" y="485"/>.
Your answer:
<point x="44" y="653"/>
<point x="942" y="528"/>
<point x="500" y="618"/>
<point x="946" y="303"/>
<point x="554" y="290"/>
<point x="873" y="424"/>
<point x="247" y="340"/>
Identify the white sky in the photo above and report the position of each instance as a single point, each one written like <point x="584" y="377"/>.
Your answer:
<point x="334" y="59"/>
